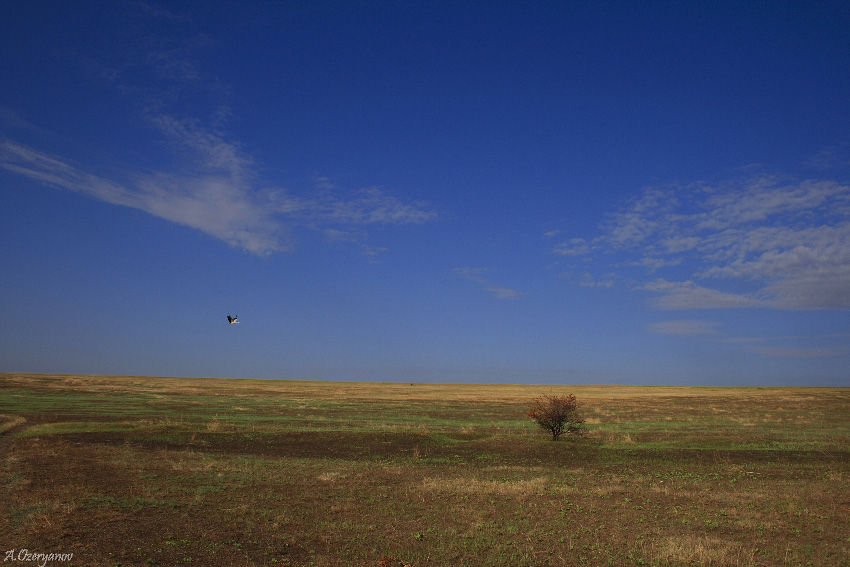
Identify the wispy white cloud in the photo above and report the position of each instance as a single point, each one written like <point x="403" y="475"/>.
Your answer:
<point x="573" y="247"/>
<point x="218" y="205"/>
<point x="828" y="159"/>
<point x="368" y="206"/>
<point x="796" y="352"/>
<point x="838" y="339"/>
<point x="685" y="328"/>
<point x="654" y="263"/>
<point x="323" y="182"/>
<point x="502" y="292"/>
<point x="218" y="197"/>
<point x="788" y="239"/>
<point x="203" y="148"/>
<point x="365" y="207"/>
<point x="474" y="275"/>
<point x="688" y="295"/>
<point x="763" y="198"/>
<point x="817" y="346"/>
<point x="606" y="282"/>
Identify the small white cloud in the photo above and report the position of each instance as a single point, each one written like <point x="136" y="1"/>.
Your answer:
<point x="474" y="275"/>
<point x="573" y="247"/>
<point x="324" y="183"/>
<point x="743" y="340"/>
<point x="373" y="206"/>
<point x="680" y="244"/>
<point x="502" y="292"/>
<point x="368" y="206"/>
<point x="587" y="280"/>
<point x="336" y="235"/>
<point x="653" y="263"/>
<point x="373" y="250"/>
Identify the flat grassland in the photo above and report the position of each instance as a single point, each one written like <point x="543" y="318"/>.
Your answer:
<point x="161" y="471"/>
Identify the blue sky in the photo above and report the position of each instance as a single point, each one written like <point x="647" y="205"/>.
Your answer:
<point x="526" y="192"/>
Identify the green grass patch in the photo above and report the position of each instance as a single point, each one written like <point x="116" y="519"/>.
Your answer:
<point x="65" y="427"/>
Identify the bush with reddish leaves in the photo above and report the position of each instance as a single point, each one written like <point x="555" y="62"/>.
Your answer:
<point x="557" y="415"/>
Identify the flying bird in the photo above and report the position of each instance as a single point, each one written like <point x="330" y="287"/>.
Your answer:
<point x="232" y="320"/>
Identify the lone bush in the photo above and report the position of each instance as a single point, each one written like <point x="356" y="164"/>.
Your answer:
<point x="557" y="415"/>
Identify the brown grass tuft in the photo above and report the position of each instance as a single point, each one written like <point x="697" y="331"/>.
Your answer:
<point x="701" y="550"/>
